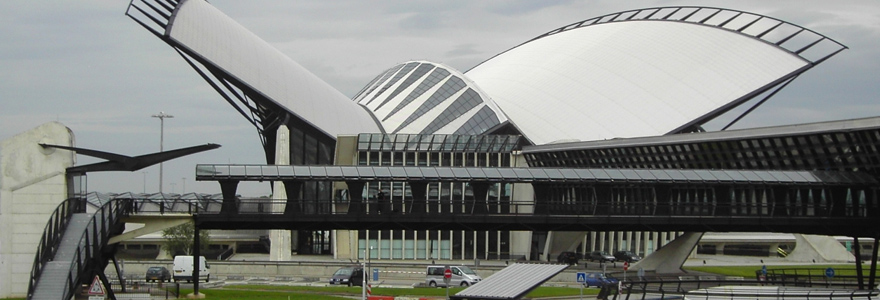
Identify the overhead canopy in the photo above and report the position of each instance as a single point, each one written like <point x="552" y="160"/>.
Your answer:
<point x="640" y="73"/>
<point x="512" y="282"/>
<point x="491" y="174"/>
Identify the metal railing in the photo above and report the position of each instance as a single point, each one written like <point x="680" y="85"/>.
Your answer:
<point x="52" y="234"/>
<point x="89" y="250"/>
<point x="736" y="288"/>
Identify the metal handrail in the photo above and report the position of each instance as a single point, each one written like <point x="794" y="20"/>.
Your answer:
<point x="90" y="246"/>
<point x="52" y="234"/>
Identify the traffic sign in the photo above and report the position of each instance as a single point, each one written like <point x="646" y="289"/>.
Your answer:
<point x="829" y="272"/>
<point x="447" y="273"/>
<point x="581" y="277"/>
<point x="625" y="265"/>
<point x="96" y="288"/>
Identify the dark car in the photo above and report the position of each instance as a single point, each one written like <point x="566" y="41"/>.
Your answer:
<point x="601" y="256"/>
<point x="158" y="273"/>
<point x="598" y="280"/>
<point x="627" y="256"/>
<point x="348" y="276"/>
<point x="569" y="258"/>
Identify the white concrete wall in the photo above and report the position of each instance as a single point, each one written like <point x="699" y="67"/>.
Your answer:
<point x="32" y="184"/>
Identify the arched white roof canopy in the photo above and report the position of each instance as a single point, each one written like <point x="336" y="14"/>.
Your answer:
<point x="645" y="72"/>
<point x="241" y="65"/>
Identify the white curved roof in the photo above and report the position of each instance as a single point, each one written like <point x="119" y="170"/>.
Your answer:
<point x="423" y="97"/>
<point x="217" y="38"/>
<point x="627" y="79"/>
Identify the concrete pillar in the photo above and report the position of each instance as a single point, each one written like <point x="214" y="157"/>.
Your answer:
<point x="230" y="202"/>
<point x="280" y="240"/>
<point x="355" y="193"/>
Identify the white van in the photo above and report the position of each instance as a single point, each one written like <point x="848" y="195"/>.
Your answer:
<point x="461" y="276"/>
<point x="183" y="268"/>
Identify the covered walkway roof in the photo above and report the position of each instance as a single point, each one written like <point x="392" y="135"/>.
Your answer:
<point x="528" y="175"/>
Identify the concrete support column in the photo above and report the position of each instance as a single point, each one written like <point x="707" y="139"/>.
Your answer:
<point x="481" y="191"/>
<point x="638" y="243"/>
<point x="292" y="191"/>
<point x="420" y="196"/>
<point x="719" y="249"/>
<point x="355" y="193"/>
<point x="230" y="203"/>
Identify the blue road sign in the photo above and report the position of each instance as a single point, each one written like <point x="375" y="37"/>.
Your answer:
<point x="829" y="272"/>
<point x="375" y="274"/>
<point x="581" y="277"/>
<point x="764" y="269"/>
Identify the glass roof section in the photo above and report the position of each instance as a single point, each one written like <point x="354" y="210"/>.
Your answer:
<point x="548" y="175"/>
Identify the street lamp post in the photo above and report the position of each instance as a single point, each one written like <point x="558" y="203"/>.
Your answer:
<point x="145" y="181"/>
<point x="162" y="115"/>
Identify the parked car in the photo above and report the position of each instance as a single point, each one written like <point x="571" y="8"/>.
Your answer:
<point x="627" y="256"/>
<point x="461" y="276"/>
<point x="349" y="276"/>
<point x="569" y="258"/>
<point x="601" y="256"/>
<point x="158" y="273"/>
<point x="598" y="280"/>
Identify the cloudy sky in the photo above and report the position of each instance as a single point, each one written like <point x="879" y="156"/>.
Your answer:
<point x="86" y="65"/>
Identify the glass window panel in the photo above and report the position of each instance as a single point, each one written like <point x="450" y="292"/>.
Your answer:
<point x="333" y="171"/>
<point x="690" y="175"/>
<point x="429" y="172"/>
<point x="522" y="173"/>
<point x="705" y="175"/>
<point x="676" y="175"/>
<point x="397" y="172"/>
<point x="584" y="174"/>
<point x="366" y="172"/>
<point x="569" y="174"/>
<point x="661" y="175"/>
<point x="644" y="174"/>
<point x="382" y="172"/>
<point x="630" y="174"/>
<point x="554" y="174"/>
<point x="414" y="173"/>
<point x="492" y="173"/>
<point x="209" y="170"/>
<point x="476" y="172"/>
<point x="460" y="173"/>
<point x="507" y="173"/>
<point x="445" y="172"/>
<point x="349" y="171"/>
<point x="270" y="171"/>
<point x="302" y="171"/>
<point x="796" y="177"/>
<point x="780" y="176"/>
<point x="765" y="176"/>
<point x="721" y="175"/>
<point x="751" y="176"/>
<point x="736" y="175"/>
<point x="318" y="171"/>
<point x="539" y="174"/>
<point x="285" y="171"/>
<point x="615" y="174"/>
<point x="237" y="171"/>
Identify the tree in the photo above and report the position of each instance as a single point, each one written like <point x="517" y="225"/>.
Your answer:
<point x="179" y="239"/>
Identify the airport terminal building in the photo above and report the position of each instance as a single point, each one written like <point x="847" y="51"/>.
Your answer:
<point x="576" y="86"/>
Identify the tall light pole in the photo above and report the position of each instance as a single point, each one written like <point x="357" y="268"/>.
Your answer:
<point x="162" y="115"/>
<point x="145" y="181"/>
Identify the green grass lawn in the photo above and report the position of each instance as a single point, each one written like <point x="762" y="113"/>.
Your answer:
<point x="749" y="271"/>
<point x="242" y="292"/>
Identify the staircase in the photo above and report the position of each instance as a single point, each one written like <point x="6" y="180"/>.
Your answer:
<point x="53" y="283"/>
